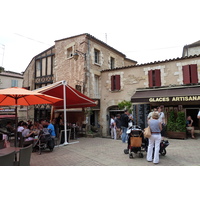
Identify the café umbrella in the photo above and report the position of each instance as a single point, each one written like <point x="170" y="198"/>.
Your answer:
<point x="16" y="96"/>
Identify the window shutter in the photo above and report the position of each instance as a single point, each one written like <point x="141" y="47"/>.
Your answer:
<point x="157" y="78"/>
<point x="112" y="82"/>
<point x="117" y="82"/>
<point x="150" y="76"/>
<point x="186" y="74"/>
<point x="193" y="72"/>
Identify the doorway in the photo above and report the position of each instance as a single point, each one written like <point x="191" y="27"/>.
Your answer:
<point x="193" y="113"/>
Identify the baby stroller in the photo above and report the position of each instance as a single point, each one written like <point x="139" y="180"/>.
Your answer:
<point x="136" y="142"/>
<point x="44" y="141"/>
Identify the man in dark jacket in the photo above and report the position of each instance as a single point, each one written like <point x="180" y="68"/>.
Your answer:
<point x="124" y="125"/>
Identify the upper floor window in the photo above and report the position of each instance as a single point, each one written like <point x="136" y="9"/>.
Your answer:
<point x="190" y="74"/>
<point x="96" y="86"/>
<point x="14" y="83"/>
<point x="115" y="83"/>
<point x="154" y="78"/>
<point x="38" y="68"/>
<point x="78" y="87"/>
<point x="96" y="56"/>
<point x="69" y="52"/>
<point x="112" y="63"/>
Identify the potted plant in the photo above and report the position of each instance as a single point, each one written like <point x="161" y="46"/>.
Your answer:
<point x="176" y="126"/>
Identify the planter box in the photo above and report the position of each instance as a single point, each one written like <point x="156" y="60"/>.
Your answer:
<point x="176" y="135"/>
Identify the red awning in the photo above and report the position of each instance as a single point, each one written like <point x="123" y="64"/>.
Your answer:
<point x="74" y="98"/>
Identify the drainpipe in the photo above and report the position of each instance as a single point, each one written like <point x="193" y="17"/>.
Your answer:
<point x="88" y="74"/>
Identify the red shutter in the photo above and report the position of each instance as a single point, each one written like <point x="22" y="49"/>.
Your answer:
<point x="193" y="72"/>
<point x="150" y="73"/>
<point x="112" y="83"/>
<point x="157" y="78"/>
<point x="117" y="82"/>
<point x="186" y="74"/>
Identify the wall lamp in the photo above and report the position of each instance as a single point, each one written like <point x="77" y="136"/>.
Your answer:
<point x="77" y="53"/>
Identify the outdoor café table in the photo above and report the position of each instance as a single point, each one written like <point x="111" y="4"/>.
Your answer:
<point x="9" y="150"/>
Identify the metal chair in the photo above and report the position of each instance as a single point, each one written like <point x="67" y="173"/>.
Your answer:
<point x="25" y="156"/>
<point x="8" y="159"/>
<point x="2" y="144"/>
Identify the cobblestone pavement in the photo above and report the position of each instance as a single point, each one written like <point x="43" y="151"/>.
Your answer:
<point x="108" y="152"/>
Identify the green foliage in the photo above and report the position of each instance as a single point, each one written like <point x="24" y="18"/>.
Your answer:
<point x="125" y="105"/>
<point x="180" y="122"/>
<point x="171" y="124"/>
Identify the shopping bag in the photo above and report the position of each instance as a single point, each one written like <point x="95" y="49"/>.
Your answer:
<point x="147" y="132"/>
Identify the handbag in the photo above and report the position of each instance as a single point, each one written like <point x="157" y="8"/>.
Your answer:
<point x="147" y="132"/>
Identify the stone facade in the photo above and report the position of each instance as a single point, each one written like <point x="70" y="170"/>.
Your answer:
<point x="83" y="73"/>
<point x="136" y="77"/>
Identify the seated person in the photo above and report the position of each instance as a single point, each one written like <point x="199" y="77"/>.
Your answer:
<point x="9" y="127"/>
<point x="20" y="127"/>
<point x="189" y="126"/>
<point x="28" y="132"/>
<point x="50" y="127"/>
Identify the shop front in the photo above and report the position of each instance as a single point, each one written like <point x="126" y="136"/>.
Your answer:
<point x="182" y="98"/>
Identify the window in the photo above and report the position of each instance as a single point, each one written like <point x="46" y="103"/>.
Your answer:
<point x="78" y="87"/>
<point x="14" y="83"/>
<point x="154" y="78"/>
<point x="112" y="63"/>
<point x="96" y="86"/>
<point x="115" y="83"/>
<point x="190" y="74"/>
<point x="96" y="56"/>
<point x="38" y="68"/>
<point x="69" y="52"/>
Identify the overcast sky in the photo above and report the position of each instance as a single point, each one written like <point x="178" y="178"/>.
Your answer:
<point x="144" y="30"/>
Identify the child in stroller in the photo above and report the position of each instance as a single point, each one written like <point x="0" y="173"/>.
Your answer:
<point x="136" y="142"/>
<point x="44" y="141"/>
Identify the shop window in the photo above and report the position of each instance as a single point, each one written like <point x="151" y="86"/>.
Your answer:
<point x="115" y="83"/>
<point x="154" y="78"/>
<point x="190" y="74"/>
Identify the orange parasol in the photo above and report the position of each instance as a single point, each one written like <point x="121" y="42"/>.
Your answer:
<point x="21" y="97"/>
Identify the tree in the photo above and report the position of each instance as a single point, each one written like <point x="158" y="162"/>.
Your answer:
<point x="125" y="105"/>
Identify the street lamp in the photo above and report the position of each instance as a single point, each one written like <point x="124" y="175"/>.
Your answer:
<point x="77" y="53"/>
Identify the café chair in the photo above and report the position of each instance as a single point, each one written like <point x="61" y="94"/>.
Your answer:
<point x="8" y="159"/>
<point x="2" y="144"/>
<point x="21" y="141"/>
<point x="24" y="156"/>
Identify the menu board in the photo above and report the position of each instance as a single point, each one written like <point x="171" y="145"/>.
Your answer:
<point x="140" y="113"/>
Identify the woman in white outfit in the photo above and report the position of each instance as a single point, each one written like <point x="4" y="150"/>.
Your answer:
<point x="154" y="140"/>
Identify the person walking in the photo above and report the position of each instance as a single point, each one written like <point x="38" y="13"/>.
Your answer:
<point x="124" y="125"/>
<point x="118" y="125"/>
<point x="113" y="127"/>
<point x="155" y="139"/>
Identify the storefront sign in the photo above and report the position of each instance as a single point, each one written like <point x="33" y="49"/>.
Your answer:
<point x="167" y="99"/>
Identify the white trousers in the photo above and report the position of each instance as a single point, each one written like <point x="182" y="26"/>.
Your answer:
<point x="154" y="141"/>
<point x="113" y="133"/>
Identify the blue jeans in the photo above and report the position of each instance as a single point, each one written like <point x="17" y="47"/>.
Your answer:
<point x="124" y="134"/>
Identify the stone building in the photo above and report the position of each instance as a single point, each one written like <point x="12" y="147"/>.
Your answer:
<point x="79" y="61"/>
<point x="9" y="79"/>
<point x="173" y="84"/>
<point x="191" y="49"/>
